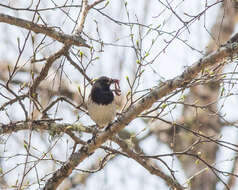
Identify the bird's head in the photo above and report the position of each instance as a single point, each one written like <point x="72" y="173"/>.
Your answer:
<point x="105" y="83"/>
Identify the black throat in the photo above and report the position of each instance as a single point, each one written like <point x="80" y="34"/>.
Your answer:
<point x="101" y="96"/>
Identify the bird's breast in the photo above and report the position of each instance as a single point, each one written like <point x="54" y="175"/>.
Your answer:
<point x="102" y="115"/>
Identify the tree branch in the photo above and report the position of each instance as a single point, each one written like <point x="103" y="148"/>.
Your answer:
<point x="38" y="28"/>
<point x="44" y="71"/>
<point x="147" y="164"/>
<point x="44" y="124"/>
<point x="78" y="68"/>
<point x="227" y="51"/>
<point x="83" y="14"/>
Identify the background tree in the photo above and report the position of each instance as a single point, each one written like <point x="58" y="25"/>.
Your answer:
<point x="177" y="63"/>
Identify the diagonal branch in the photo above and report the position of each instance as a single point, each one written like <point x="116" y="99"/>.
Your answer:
<point x="225" y="52"/>
<point x="78" y="67"/>
<point x="83" y="15"/>
<point x="39" y="28"/>
<point x="44" y="71"/>
<point x="147" y="164"/>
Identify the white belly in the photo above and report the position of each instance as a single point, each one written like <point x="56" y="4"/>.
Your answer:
<point x="102" y="115"/>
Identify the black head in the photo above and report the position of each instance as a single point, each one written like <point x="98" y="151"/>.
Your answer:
<point x="103" y="82"/>
<point x="101" y="92"/>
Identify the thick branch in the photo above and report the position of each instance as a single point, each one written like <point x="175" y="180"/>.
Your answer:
<point x="38" y="28"/>
<point x="46" y="124"/>
<point x="82" y="17"/>
<point x="145" y="103"/>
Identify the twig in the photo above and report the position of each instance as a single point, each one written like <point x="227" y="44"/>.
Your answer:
<point x="45" y="69"/>
<point x="78" y="67"/>
<point x="146" y="163"/>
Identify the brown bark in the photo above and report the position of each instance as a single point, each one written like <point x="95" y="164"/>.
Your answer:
<point x="38" y="28"/>
<point x="179" y="82"/>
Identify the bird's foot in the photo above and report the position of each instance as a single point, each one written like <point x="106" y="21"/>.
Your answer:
<point x="108" y="127"/>
<point x="118" y="114"/>
<point x="94" y="135"/>
<point x="119" y="117"/>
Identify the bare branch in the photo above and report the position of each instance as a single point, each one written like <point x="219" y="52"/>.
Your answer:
<point x="95" y="3"/>
<point x="38" y="28"/>
<point x="82" y="17"/>
<point x="145" y="103"/>
<point x="147" y="164"/>
<point x="83" y="14"/>
<point x="78" y="68"/>
<point x="44" y="124"/>
<point x="45" y="69"/>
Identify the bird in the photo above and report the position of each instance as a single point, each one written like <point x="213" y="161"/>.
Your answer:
<point x="102" y="104"/>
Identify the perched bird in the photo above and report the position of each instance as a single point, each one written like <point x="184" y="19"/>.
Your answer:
<point x="102" y="101"/>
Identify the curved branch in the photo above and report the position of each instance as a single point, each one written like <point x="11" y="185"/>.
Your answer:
<point x="227" y="51"/>
<point x="49" y="31"/>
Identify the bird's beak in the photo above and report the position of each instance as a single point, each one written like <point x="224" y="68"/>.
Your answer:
<point x="114" y="81"/>
<point x="117" y="87"/>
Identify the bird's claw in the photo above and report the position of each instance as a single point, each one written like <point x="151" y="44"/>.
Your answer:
<point x="94" y="135"/>
<point x="108" y="127"/>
